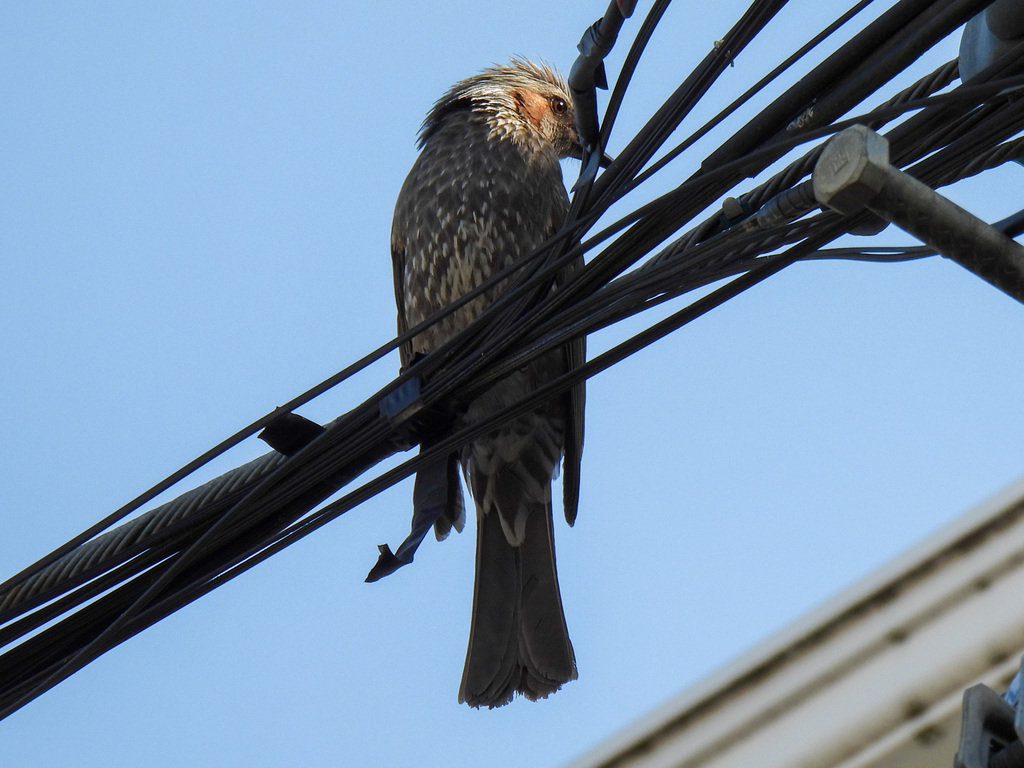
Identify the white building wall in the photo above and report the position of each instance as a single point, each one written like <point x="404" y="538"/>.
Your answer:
<point x="872" y="679"/>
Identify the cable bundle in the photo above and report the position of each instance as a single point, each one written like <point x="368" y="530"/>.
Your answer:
<point x="112" y="582"/>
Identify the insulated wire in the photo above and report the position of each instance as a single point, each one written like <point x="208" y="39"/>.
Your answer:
<point x="951" y="136"/>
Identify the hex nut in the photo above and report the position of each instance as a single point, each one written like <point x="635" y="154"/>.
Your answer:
<point x="852" y="170"/>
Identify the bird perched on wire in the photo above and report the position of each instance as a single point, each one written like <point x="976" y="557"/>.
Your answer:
<point x="485" y="191"/>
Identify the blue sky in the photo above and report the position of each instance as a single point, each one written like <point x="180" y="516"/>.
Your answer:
<point x="195" y="218"/>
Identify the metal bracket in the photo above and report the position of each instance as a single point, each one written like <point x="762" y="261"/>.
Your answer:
<point x="987" y="738"/>
<point x="853" y="173"/>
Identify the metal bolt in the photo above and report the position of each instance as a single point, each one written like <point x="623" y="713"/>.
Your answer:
<point x="851" y="170"/>
<point x="853" y="173"/>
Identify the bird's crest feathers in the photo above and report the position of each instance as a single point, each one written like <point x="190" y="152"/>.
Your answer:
<point x="493" y="93"/>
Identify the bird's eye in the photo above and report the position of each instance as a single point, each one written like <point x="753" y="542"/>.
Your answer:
<point x="558" y="105"/>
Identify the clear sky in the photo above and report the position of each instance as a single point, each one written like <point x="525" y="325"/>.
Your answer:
<point x="194" y="224"/>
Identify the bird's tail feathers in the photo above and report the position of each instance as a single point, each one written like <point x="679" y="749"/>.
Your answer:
<point x="518" y="640"/>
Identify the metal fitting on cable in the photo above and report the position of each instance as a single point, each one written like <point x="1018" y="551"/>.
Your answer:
<point x="783" y="208"/>
<point x="789" y="204"/>
<point x="991" y="34"/>
<point x="989" y="737"/>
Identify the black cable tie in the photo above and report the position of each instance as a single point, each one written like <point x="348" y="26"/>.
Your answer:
<point x="388" y="562"/>
<point x="289" y="433"/>
<point x="586" y="76"/>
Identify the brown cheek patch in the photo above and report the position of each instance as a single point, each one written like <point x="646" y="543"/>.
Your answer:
<point x="532" y="106"/>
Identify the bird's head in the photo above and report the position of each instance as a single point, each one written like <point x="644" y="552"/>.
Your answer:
<point x="520" y="101"/>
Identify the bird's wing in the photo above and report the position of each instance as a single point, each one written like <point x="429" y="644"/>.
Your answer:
<point x="398" y="272"/>
<point x="576" y="355"/>
<point x="575" y="402"/>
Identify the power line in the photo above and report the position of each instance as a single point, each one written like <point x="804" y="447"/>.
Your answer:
<point x="109" y="583"/>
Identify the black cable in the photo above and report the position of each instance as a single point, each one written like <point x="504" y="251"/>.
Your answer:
<point x="629" y="64"/>
<point x="151" y="571"/>
<point x="642" y="147"/>
<point x="750" y="93"/>
<point x="775" y="118"/>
